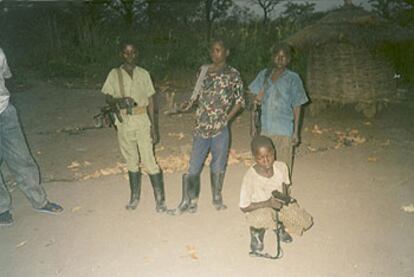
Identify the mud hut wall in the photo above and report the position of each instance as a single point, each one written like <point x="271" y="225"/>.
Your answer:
<point x="340" y="72"/>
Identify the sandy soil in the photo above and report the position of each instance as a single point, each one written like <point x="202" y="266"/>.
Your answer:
<point x="354" y="175"/>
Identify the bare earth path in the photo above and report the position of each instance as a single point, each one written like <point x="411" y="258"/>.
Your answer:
<point x="355" y="176"/>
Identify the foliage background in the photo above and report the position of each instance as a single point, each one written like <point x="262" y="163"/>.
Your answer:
<point x="79" y="40"/>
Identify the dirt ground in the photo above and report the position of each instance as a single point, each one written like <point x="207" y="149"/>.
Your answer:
<point x="354" y="175"/>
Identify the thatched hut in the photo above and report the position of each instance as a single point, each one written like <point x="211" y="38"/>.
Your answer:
<point x="344" y="64"/>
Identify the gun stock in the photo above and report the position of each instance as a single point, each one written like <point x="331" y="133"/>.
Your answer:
<point x="284" y="198"/>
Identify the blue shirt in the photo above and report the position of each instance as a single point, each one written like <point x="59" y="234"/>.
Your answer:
<point x="280" y="98"/>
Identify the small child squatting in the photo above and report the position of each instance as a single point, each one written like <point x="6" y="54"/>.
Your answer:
<point x="263" y="211"/>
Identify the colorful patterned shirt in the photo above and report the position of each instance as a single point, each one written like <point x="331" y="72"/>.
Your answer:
<point x="220" y="92"/>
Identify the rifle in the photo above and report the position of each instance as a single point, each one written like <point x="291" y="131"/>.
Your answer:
<point x="257" y="105"/>
<point x="107" y="116"/>
<point x="126" y="103"/>
<point x="283" y="197"/>
<point x="257" y="113"/>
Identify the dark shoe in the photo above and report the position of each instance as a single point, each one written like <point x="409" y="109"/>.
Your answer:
<point x="159" y="192"/>
<point x="51" y="208"/>
<point x="217" y="180"/>
<point x="256" y="240"/>
<point x="6" y="218"/>
<point x="135" y="187"/>
<point x="284" y="236"/>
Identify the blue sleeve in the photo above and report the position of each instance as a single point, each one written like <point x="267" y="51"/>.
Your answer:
<point x="257" y="83"/>
<point x="299" y="94"/>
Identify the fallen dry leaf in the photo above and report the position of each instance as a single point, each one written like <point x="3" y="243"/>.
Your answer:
<point x="74" y="164"/>
<point x="76" y="209"/>
<point x="159" y="148"/>
<point x="372" y="159"/>
<point x="147" y="259"/>
<point x="317" y="130"/>
<point x="21" y="244"/>
<point x="359" y="140"/>
<point x="408" y="209"/>
<point x="353" y="132"/>
<point x="172" y="164"/>
<point x="386" y="143"/>
<point x="349" y="138"/>
<point x="179" y="136"/>
<point x="192" y="252"/>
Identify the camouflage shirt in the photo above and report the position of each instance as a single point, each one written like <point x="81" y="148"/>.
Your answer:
<point x="220" y="92"/>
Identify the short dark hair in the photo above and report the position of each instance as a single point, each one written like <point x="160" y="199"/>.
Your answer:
<point x="124" y="42"/>
<point x="261" y="141"/>
<point x="220" y="41"/>
<point x="286" y="48"/>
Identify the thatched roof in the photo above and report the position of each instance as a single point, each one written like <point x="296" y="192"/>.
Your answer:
<point x="353" y="25"/>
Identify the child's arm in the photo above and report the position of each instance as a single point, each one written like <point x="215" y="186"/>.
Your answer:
<point x="270" y="203"/>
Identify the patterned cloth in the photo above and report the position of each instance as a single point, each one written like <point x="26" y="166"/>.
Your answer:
<point x="220" y="92"/>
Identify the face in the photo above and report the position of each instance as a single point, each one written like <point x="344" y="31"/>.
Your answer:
<point x="280" y="59"/>
<point x="129" y="54"/>
<point x="264" y="157"/>
<point x="218" y="53"/>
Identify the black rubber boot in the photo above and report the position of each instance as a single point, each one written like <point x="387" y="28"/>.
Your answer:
<point x="185" y="199"/>
<point x="135" y="186"/>
<point x="6" y="218"/>
<point x="283" y="235"/>
<point x="256" y="240"/>
<point x="193" y="192"/>
<point x="157" y="183"/>
<point x="217" y="180"/>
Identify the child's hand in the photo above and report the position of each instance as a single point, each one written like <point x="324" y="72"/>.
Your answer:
<point x="185" y="106"/>
<point x="274" y="203"/>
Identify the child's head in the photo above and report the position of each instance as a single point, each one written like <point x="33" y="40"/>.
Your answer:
<point x="128" y="51"/>
<point x="263" y="151"/>
<point x="281" y="55"/>
<point x="219" y="51"/>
